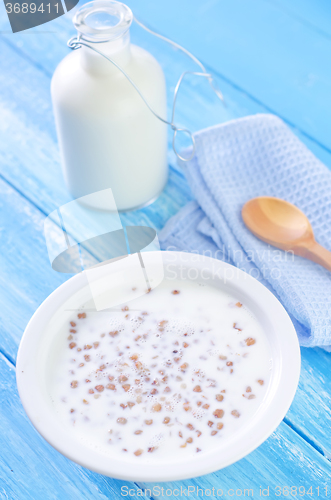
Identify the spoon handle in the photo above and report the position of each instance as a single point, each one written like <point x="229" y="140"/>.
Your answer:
<point x="318" y="254"/>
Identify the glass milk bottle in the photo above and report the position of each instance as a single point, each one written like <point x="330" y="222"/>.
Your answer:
<point x="108" y="137"/>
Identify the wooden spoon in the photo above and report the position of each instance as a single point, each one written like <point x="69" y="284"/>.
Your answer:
<point x="284" y="226"/>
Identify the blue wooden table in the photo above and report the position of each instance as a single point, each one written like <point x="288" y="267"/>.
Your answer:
<point x="268" y="56"/>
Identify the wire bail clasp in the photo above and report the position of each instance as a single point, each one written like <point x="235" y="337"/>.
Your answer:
<point x="76" y="42"/>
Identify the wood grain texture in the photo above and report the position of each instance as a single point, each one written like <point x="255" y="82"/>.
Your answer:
<point x="46" y="51"/>
<point x="32" y="187"/>
<point x="310" y="413"/>
<point x="29" y="156"/>
<point x="30" y="469"/>
<point x="26" y="276"/>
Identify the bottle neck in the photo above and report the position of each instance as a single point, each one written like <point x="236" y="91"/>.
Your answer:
<point x="118" y="50"/>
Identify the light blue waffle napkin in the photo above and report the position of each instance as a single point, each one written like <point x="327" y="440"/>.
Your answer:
<point x="237" y="161"/>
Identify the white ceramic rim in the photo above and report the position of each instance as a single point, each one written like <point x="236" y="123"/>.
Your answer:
<point x="286" y="354"/>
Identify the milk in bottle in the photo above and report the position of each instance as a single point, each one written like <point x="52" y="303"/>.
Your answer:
<point x="108" y="137"/>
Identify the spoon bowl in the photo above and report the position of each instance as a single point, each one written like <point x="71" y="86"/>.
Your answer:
<point x="284" y="226"/>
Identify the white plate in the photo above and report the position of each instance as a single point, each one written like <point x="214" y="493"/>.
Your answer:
<point x="285" y="359"/>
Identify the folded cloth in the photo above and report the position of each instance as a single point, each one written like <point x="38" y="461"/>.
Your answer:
<point x="239" y="160"/>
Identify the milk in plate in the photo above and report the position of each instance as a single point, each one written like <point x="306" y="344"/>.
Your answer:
<point x="173" y="373"/>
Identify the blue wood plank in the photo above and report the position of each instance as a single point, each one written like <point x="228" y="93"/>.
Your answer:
<point x="274" y="57"/>
<point x="33" y="167"/>
<point x="26" y="276"/>
<point x="46" y="50"/>
<point x="29" y="156"/>
<point x="284" y="460"/>
<point x="310" y="412"/>
<point x="315" y="14"/>
<point x="23" y="291"/>
<point x="30" y="469"/>
<point x="299" y="88"/>
<point x="30" y="162"/>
